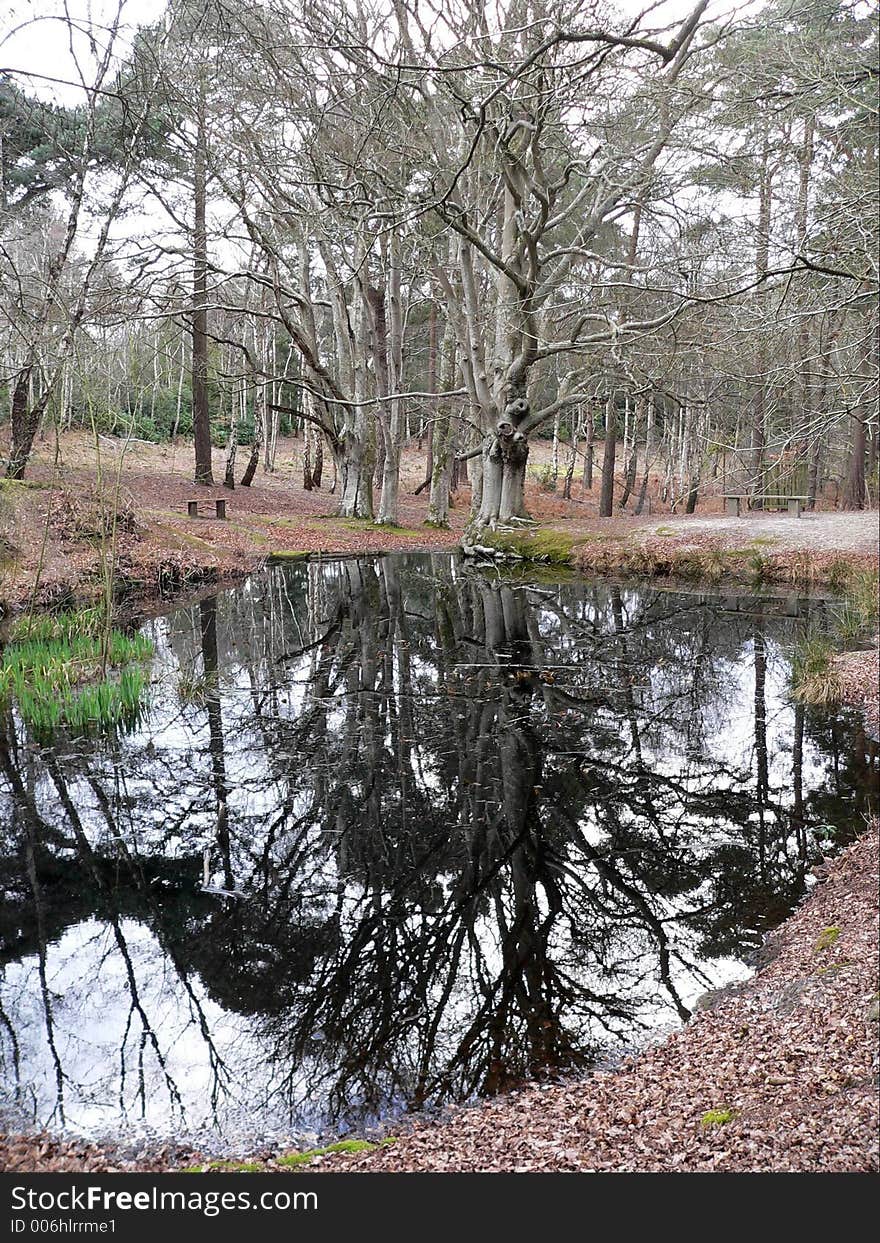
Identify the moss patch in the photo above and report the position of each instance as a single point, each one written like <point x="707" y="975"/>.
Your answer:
<point x="226" y="1167"/>
<point x="292" y="1159"/>
<point x="827" y="937"/>
<point x="286" y="554"/>
<point x="717" y="1117"/>
<point x="552" y="547"/>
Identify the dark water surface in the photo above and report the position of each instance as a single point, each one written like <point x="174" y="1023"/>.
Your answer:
<point x="394" y="832"/>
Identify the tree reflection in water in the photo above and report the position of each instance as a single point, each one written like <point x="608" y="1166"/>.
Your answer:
<point x="396" y="832"/>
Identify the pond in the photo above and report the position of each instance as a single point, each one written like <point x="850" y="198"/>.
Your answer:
<point x="396" y="832"/>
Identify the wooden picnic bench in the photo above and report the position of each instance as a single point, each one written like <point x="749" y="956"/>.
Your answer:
<point x="192" y="508"/>
<point x="792" y="504"/>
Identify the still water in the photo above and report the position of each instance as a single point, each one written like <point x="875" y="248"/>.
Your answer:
<point x="394" y="832"/>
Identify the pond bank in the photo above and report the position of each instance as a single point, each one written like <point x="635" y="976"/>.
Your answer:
<point x="777" y="1074"/>
<point x="53" y="526"/>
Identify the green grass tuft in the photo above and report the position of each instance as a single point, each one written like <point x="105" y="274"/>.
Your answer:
<point x="717" y="1117"/>
<point x="856" y="615"/>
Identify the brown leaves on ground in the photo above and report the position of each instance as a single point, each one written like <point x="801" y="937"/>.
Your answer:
<point x="859" y="674"/>
<point x="44" y="1154"/>
<point x="56" y="526"/>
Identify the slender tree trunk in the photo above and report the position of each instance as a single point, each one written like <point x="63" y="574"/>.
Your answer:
<point x="318" y="469"/>
<point x="572" y="456"/>
<point x="633" y="462"/>
<point x="587" y="480"/>
<point x="260" y="401"/>
<point x="232" y="441"/>
<point x="649" y="453"/>
<point x="443" y="437"/>
<point x="759" y="399"/>
<point x="393" y="427"/>
<point x="201" y="413"/>
<point x="307" y="459"/>
<point x="606" y="496"/>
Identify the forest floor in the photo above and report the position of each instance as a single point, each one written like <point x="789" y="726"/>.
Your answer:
<point x="51" y="526"/>
<point x="778" y="1073"/>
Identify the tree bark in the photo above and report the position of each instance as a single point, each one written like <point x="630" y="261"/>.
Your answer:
<point x="25" y="418"/>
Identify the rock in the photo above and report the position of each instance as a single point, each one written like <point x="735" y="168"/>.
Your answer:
<point x="874" y="1009"/>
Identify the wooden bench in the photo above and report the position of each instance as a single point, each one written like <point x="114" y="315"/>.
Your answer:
<point x="192" y="508"/>
<point x="792" y="504"/>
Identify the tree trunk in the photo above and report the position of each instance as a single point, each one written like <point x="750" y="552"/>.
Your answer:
<point x="649" y="450"/>
<point x="260" y="401"/>
<point x="504" y="468"/>
<point x="201" y="414"/>
<point x="354" y="465"/>
<point x="318" y="469"/>
<point x="232" y="442"/>
<point x="443" y="437"/>
<point x="572" y="456"/>
<point x="854" y="493"/>
<point x="307" y="459"/>
<point x="25" y="417"/>
<point x="633" y="461"/>
<point x="606" y="497"/>
<point x="759" y="400"/>
<point x="587" y="481"/>
<point x="392" y="426"/>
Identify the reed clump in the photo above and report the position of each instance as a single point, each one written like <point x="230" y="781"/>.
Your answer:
<point x="815" y="675"/>
<point x="856" y="614"/>
<point x="814" y="678"/>
<point x="74" y="671"/>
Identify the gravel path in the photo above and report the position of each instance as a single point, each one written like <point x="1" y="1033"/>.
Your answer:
<point x="825" y="531"/>
<point x="820" y="533"/>
<point x="814" y="532"/>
